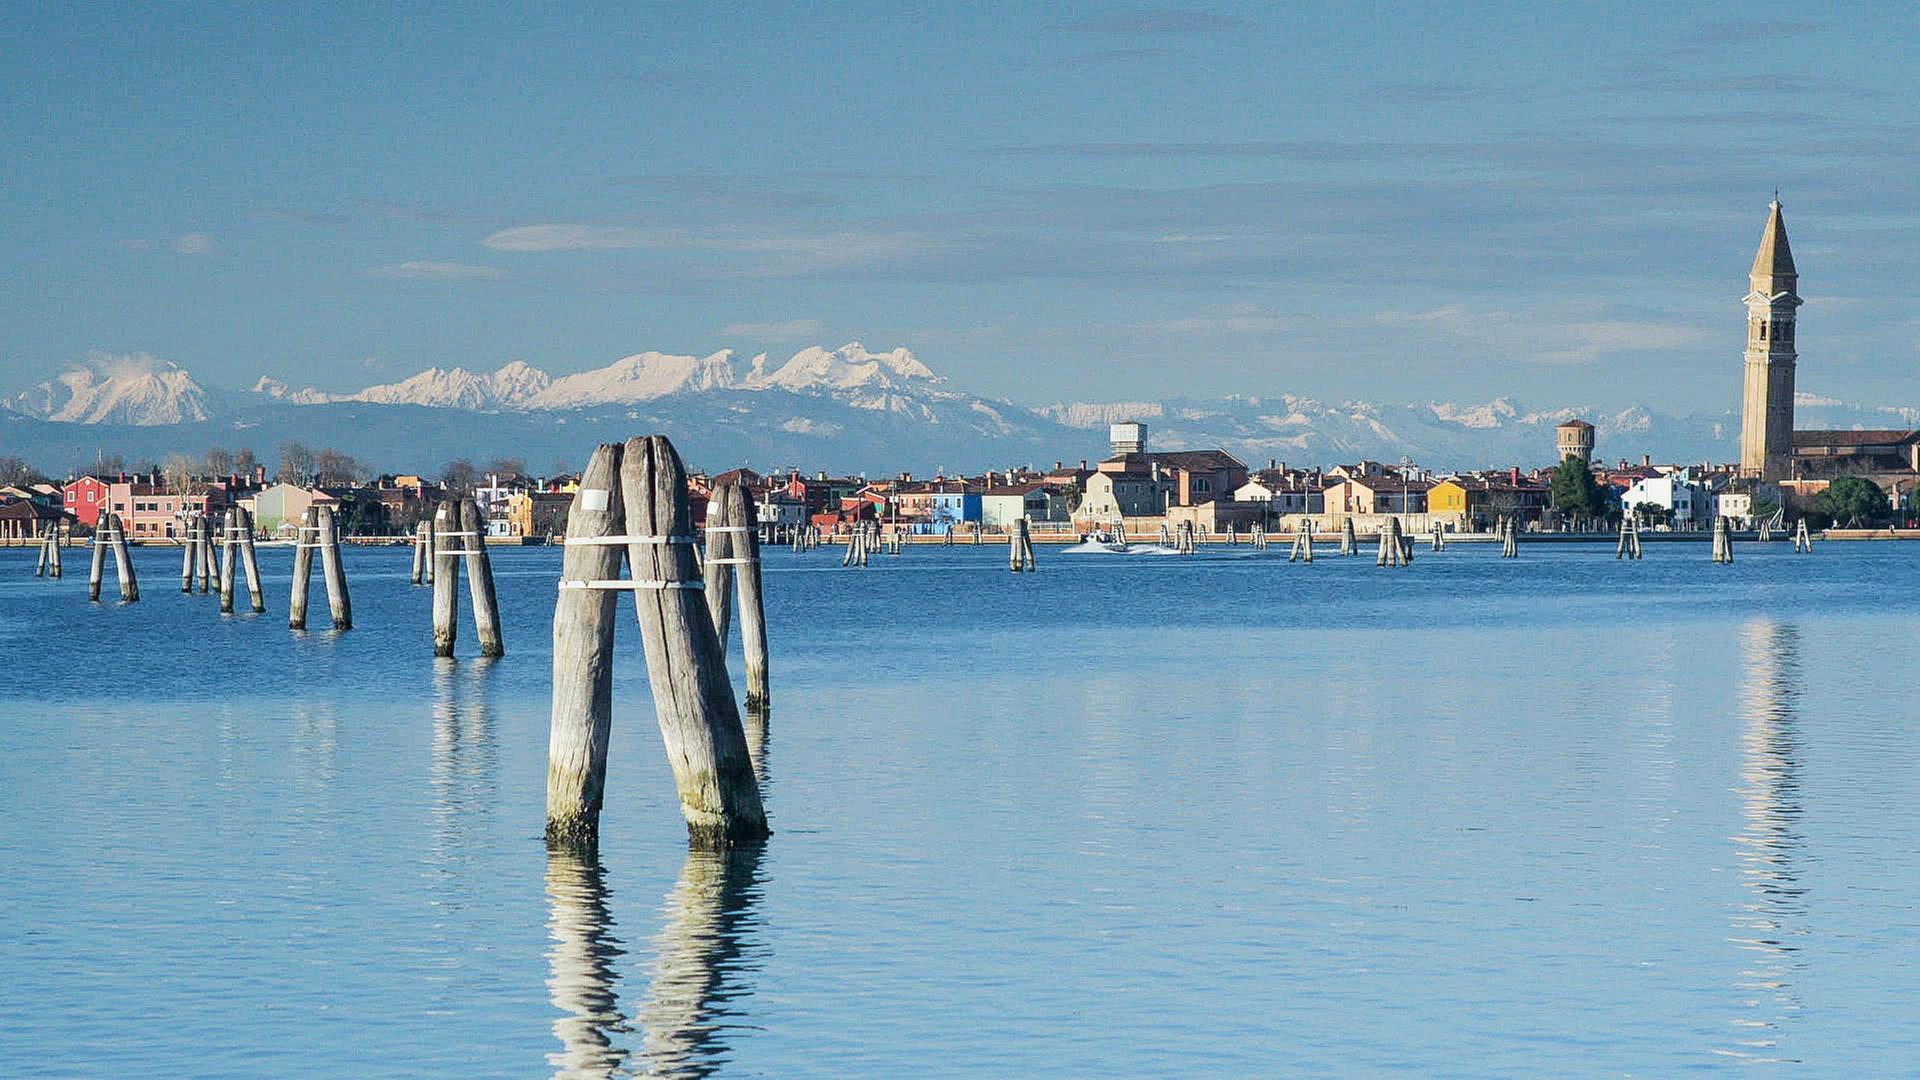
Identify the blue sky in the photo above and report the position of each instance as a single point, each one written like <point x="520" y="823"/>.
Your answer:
<point x="1045" y="202"/>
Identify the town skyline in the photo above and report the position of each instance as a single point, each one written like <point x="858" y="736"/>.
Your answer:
<point x="1458" y="230"/>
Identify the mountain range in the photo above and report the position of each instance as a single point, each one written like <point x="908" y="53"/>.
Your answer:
<point x="845" y="409"/>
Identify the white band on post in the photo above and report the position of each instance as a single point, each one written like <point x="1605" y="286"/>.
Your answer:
<point x="621" y="585"/>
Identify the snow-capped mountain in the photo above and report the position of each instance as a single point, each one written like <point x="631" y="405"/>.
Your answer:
<point x="847" y="408"/>
<point x="118" y="389"/>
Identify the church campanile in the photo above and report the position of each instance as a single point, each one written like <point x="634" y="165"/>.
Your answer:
<point x="1766" y="419"/>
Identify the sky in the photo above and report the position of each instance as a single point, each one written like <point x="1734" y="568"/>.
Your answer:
<point x="1045" y="202"/>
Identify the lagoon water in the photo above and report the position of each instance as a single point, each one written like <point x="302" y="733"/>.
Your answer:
<point x="1129" y="815"/>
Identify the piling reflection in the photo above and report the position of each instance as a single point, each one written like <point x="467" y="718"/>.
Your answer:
<point x="704" y="956"/>
<point x="465" y="769"/>
<point x="1772" y="913"/>
<point x="581" y="975"/>
<point x="755" y="720"/>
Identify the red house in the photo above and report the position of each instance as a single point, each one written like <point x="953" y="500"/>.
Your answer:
<point x="85" y="498"/>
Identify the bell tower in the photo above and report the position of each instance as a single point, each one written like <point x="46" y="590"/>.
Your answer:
<point x="1766" y="415"/>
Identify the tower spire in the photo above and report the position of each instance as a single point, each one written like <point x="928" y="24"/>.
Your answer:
<point x="1775" y="257"/>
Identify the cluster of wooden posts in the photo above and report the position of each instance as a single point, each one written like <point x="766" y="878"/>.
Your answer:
<point x="1722" y="541"/>
<point x="111" y="532"/>
<point x="861" y="543"/>
<point x="632" y="505"/>
<point x="319" y="531"/>
<point x="1020" y="547"/>
<point x="1396" y="547"/>
<point x="1629" y="545"/>
<point x="48" y="564"/>
<point x="459" y="532"/>
<point x="1302" y="543"/>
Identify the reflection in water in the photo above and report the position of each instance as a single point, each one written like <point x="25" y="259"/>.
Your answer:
<point x="465" y="760"/>
<point x="755" y="719"/>
<point x="1772" y="913"/>
<point x="704" y="952"/>
<point x="580" y="965"/>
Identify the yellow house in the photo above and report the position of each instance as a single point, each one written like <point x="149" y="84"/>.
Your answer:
<point x="1447" y="497"/>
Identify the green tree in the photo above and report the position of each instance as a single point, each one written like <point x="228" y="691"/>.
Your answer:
<point x="1853" y="499"/>
<point x="1651" y="513"/>
<point x="1574" y="491"/>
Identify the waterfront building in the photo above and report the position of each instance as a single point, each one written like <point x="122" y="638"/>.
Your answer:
<point x="1477" y="501"/>
<point x="1679" y="492"/>
<point x="84" y="497"/>
<point x="1004" y="504"/>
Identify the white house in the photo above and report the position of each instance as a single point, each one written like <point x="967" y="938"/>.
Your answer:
<point x="1005" y="504"/>
<point x="1281" y="493"/>
<point x="1689" y="500"/>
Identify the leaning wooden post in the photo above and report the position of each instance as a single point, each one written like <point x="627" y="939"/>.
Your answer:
<point x="717" y="568"/>
<point x="753" y="612"/>
<point x="339" y="604"/>
<point x="446" y="577"/>
<point x="250" y="561"/>
<point x="188" y="541"/>
<point x="418" y="575"/>
<point x="229" y="554"/>
<point x="123" y="562"/>
<point x="40" y="564"/>
<point x="693" y="700"/>
<point x="486" y="604"/>
<point x="203" y="555"/>
<point x="53" y="553"/>
<point x="1348" y="541"/>
<point x="102" y="526"/>
<point x="583" y="614"/>
<point x="306" y="539"/>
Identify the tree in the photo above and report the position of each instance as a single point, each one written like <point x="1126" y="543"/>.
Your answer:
<point x="178" y="472"/>
<point x="458" y="475"/>
<point x="1851" y="500"/>
<point x="16" y="470"/>
<point x="1651" y="513"/>
<point x="244" y="462"/>
<point x="218" y="461"/>
<point x="506" y="467"/>
<point x="333" y="468"/>
<point x="1575" y="493"/>
<point x="296" y="462"/>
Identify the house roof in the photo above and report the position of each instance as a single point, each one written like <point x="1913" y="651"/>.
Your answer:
<point x="1578" y="424"/>
<point x="1196" y="460"/>
<point x="1880" y="437"/>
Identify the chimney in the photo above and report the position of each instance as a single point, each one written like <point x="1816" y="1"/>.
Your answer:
<point x="1272" y="464"/>
<point x="1513" y="475"/>
<point x="1083" y="464"/>
<point x="1056" y="466"/>
<point x="1646" y="461"/>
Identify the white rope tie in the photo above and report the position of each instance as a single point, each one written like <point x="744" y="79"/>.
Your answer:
<point x="729" y="528"/>
<point x="731" y="562"/>
<point x="622" y="585"/>
<point x="605" y="540"/>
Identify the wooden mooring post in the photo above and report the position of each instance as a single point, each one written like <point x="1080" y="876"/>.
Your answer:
<point x="583" y="615"/>
<point x="319" y="531"/>
<point x="1439" y="537"/>
<point x="1722" y="540"/>
<point x="732" y="577"/>
<point x="229" y="555"/>
<point x="189" y="543"/>
<point x="1629" y="545"/>
<point x="1349" y="543"/>
<point x="40" y="564"/>
<point x="422" y="553"/>
<point x="1510" y="538"/>
<point x="250" y="562"/>
<point x="486" y="603"/>
<point x="203" y="551"/>
<point x="460" y="533"/>
<point x="686" y="668"/>
<point x="123" y="563"/>
<point x="1802" y="538"/>
<point x="1019" y="546"/>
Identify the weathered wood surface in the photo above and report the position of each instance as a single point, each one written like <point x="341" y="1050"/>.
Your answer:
<point x="446" y="576"/>
<point x="203" y="554"/>
<point x="753" y="612"/>
<point x="686" y="669"/>
<point x="418" y="575"/>
<point x="486" y="603"/>
<point x="716" y="571"/>
<point x="250" y="561"/>
<point x="229" y="548"/>
<point x="583" y="632"/>
<point x="101" y="525"/>
<point x="339" y="604"/>
<point x="306" y="539"/>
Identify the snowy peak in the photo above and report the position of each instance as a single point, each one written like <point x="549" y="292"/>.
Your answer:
<point x="136" y="388"/>
<point x="849" y="367"/>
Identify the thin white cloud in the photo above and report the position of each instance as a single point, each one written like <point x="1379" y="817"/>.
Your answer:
<point x="788" y="251"/>
<point x="193" y="243"/>
<point x="791" y="330"/>
<point x="420" y="270"/>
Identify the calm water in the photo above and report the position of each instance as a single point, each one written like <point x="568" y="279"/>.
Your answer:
<point x="1131" y="815"/>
